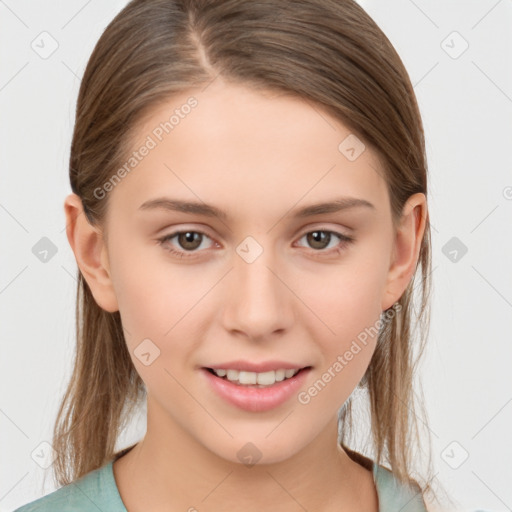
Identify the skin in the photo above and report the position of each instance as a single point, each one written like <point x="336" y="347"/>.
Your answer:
<point x="258" y="156"/>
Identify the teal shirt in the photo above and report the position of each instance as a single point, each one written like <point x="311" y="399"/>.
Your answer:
<point x="97" y="491"/>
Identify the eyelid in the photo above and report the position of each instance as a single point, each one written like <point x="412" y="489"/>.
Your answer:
<point x="323" y="227"/>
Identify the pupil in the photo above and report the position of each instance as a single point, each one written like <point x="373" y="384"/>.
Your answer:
<point x="316" y="238"/>
<point x="188" y="238"/>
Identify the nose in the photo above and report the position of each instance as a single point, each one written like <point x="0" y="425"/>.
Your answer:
<point x="258" y="301"/>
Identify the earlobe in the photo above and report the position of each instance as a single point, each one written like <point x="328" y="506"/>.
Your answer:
<point x="406" y="249"/>
<point x="90" y="252"/>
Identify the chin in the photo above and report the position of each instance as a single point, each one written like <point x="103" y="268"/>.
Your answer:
<point x="255" y="451"/>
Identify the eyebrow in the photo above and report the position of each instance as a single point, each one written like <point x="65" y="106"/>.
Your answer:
<point x="176" y="205"/>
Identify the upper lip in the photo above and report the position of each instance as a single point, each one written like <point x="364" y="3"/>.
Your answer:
<point x="264" y="366"/>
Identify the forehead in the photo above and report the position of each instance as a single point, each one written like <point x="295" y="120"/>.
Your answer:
<point x="236" y="147"/>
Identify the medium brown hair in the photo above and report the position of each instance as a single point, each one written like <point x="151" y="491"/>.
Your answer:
<point x="329" y="52"/>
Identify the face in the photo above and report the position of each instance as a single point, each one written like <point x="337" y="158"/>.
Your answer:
<point x="259" y="283"/>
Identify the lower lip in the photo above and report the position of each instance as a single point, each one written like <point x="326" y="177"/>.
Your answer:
<point x="256" y="399"/>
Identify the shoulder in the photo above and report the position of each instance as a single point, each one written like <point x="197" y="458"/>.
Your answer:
<point x="394" y="495"/>
<point x="94" y="491"/>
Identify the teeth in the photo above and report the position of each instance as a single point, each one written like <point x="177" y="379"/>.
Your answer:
<point x="252" y="378"/>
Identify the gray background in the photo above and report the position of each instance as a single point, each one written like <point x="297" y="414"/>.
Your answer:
<point x="466" y="103"/>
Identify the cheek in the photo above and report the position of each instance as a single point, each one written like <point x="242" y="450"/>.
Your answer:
<point x="347" y="353"/>
<point x="151" y="294"/>
<point x="342" y="300"/>
<point x="159" y="307"/>
<point x="345" y="324"/>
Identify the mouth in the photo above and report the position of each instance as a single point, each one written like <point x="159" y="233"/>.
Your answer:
<point x="256" y="392"/>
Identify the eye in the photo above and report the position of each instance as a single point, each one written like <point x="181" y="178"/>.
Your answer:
<point x="320" y="239"/>
<point x="188" y="239"/>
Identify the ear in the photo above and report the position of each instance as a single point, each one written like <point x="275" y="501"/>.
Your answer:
<point x="406" y="248"/>
<point x="91" y="254"/>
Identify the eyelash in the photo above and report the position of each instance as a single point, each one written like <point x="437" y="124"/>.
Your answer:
<point x="345" y="240"/>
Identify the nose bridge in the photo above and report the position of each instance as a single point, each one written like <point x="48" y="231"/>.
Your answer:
<point x="253" y="267"/>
